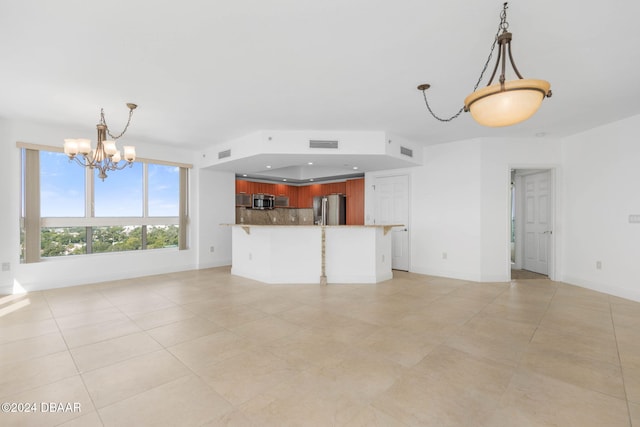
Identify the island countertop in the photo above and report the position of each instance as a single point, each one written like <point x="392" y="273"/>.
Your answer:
<point x="246" y="227"/>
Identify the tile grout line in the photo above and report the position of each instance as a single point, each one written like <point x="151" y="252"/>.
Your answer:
<point x="84" y="384"/>
<point x="615" y="335"/>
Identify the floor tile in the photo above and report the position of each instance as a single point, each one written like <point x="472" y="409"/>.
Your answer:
<point x="234" y="316"/>
<point x="192" y="403"/>
<point x="307" y="400"/>
<point x="601" y="348"/>
<point x="90" y="334"/>
<point x="266" y="329"/>
<point x="590" y="374"/>
<point x="70" y="393"/>
<point x="534" y="400"/>
<point x="20" y="376"/>
<point x="634" y="410"/>
<point x="31" y="348"/>
<point x="397" y="345"/>
<point x="161" y="317"/>
<point x="88" y="318"/>
<point x="105" y="353"/>
<point x="29" y="329"/>
<point x="91" y="419"/>
<point x="427" y="401"/>
<point x="125" y="379"/>
<point x="183" y="330"/>
<point x="246" y="375"/>
<point x="198" y="353"/>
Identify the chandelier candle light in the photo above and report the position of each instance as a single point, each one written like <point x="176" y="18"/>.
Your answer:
<point x="106" y="156"/>
<point x="507" y="102"/>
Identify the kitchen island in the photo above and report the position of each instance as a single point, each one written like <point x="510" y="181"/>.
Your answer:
<point x="312" y="253"/>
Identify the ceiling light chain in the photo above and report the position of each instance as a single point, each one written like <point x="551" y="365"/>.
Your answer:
<point x="505" y="103"/>
<point x="423" y="87"/>
<point x="104" y="122"/>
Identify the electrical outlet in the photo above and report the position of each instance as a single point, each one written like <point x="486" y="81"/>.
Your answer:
<point x="444" y="255"/>
<point x="6" y="266"/>
<point x="211" y="249"/>
<point x="598" y="265"/>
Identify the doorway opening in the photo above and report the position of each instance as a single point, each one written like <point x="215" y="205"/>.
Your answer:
<point x="531" y="224"/>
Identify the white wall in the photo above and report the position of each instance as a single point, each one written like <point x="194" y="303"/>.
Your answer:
<point x="61" y="271"/>
<point x="216" y="205"/>
<point x="445" y="214"/>
<point x="602" y="188"/>
<point x="10" y="210"/>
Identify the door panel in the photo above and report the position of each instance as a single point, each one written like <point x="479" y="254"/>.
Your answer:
<point x="392" y="207"/>
<point x="537" y="226"/>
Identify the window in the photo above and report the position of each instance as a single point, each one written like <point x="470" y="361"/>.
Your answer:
<point x="67" y="210"/>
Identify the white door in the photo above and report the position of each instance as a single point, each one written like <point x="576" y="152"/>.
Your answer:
<point x="392" y="207"/>
<point x="537" y="222"/>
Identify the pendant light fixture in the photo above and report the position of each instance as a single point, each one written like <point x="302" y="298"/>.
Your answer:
<point x="106" y="156"/>
<point x="504" y="103"/>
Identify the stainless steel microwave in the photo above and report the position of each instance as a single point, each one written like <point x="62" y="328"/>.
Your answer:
<point x="263" y="201"/>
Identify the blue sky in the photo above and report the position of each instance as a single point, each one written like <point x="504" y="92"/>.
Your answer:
<point x="120" y="194"/>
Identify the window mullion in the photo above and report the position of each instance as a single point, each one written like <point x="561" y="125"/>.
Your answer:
<point x="145" y="190"/>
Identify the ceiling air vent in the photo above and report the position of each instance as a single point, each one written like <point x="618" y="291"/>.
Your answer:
<point x="322" y="144"/>
<point x="406" y="151"/>
<point x="223" y="154"/>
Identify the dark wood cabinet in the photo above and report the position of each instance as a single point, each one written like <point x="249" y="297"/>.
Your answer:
<point x="302" y="196"/>
<point x="355" y="201"/>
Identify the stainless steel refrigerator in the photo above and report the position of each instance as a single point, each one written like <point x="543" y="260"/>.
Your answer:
<point x="330" y="209"/>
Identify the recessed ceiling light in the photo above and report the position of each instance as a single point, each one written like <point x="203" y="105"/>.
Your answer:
<point x="268" y="166"/>
<point x="355" y="168"/>
<point x="309" y="163"/>
<point x="310" y="179"/>
<point x="284" y="179"/>
<point x="244" y="174"/>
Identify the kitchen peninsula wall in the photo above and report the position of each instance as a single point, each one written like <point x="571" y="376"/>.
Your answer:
<point x="300" y="210"/>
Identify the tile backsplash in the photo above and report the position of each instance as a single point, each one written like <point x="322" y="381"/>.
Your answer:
<point x="277" y="216"/>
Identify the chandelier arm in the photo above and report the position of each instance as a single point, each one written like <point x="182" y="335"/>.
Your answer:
<point x="119" y="167"/>
<point x="495" y="69"/>
<point x="513" y="64"/>
<point x="503" y="70"/>
<point x="85" y="162"/>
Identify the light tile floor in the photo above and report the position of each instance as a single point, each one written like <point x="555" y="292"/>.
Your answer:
<point x="207" y="348"/>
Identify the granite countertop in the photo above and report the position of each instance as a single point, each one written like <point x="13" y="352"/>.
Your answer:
<point x="314" y="225"/>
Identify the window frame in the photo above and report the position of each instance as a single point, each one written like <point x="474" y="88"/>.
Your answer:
<point x="31" y="220"/>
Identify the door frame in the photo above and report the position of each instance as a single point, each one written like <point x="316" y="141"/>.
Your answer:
<point x="519" y="229"/>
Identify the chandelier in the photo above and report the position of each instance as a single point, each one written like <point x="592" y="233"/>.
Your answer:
<point x="504" y="103"/>
<point x="106" y="157"/>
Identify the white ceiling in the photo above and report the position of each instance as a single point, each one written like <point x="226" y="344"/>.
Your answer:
<point x="207" y="71"/>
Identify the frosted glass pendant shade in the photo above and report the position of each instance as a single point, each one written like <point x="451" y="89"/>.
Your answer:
<point x="493" y="106"/>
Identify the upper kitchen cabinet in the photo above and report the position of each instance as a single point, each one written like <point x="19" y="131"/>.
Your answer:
<point x="355" y="201"/>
